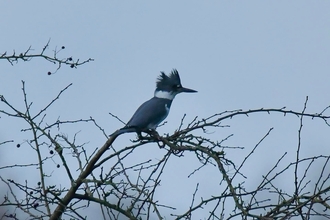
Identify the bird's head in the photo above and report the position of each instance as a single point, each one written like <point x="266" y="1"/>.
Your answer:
<point x="168" y="86"/>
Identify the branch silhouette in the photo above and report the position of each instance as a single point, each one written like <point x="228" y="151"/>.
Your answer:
<point x="119" y="194"/>
<point x="28" y="55"/>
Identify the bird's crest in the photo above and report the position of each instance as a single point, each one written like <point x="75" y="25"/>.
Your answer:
<point x="165" y="81"/>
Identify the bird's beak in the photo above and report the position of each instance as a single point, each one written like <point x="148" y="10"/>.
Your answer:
<point x="182" y="89"/>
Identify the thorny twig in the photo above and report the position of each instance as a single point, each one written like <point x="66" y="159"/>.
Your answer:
<point x="28" y="55"/>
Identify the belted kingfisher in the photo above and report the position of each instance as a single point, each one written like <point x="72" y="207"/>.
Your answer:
<point x="151" y="113"/>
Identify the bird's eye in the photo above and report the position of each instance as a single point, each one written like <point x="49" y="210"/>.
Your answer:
<point x="178" y="86"/>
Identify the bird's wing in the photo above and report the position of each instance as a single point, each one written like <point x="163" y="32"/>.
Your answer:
<point x="150" y="114"/>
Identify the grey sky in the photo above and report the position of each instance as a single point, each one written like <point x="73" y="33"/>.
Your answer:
<point x="238" y="55"/>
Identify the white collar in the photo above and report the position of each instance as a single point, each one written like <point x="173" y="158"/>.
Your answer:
<point x="164" y="94"/>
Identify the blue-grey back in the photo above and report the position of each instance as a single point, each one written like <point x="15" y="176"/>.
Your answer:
<point x="150" y="114"/>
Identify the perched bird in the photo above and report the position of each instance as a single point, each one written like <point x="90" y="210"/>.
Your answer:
<point x="151" y="113"/>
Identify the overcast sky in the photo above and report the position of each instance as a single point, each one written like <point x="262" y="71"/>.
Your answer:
<point x="237" y="54"/>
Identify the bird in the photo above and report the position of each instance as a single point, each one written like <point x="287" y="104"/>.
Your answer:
<point x="152" y="112"/>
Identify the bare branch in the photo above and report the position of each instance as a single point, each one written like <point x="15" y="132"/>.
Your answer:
<point x="28" y="55"/>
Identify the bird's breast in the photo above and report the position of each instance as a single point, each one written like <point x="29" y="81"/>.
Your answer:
<point x="167" y="109"/>
<point x="161" y="117"/>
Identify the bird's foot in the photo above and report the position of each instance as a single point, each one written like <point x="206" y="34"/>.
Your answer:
<point x="155" y="136"/>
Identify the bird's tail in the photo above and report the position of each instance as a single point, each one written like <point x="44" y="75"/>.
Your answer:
<point x="123" y="130"/>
